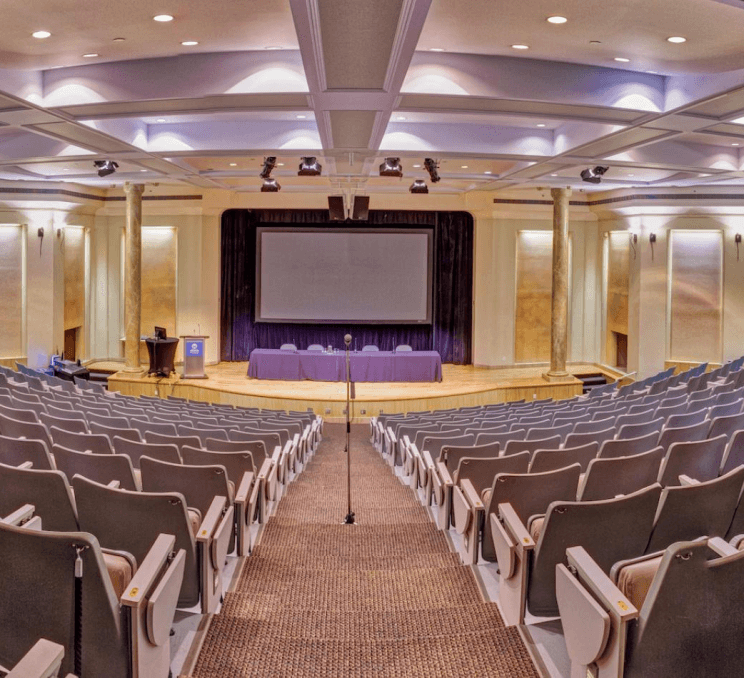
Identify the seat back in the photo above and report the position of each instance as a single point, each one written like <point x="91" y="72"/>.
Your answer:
<point x="611" y="449"/>
<point x="19" y="413"/>
<point x="702" y="510"/>
<point x="202" y="434"/>
<point x="103" y="468"/>
<point x="256" y="448"/>
<point x="517" y="446"/>
<point x="734" y="454"/>
<point x="82" y="442"/>
<point x="128" y="433"/>
<point x="683" y="434"/>
<point x="235" y="463"/>
<point x="403" y="347"/>
<point x="481" y="472"/>
<point x="48" y="491"/>
<point x="696" y="585"/>
<point x="24" y="429"/>
<point x="131" y="521"/>
<point x="700" y="460"/>
<point x="287" y="347"/>
<point x="551" y="460"/>
<point x="178" y="441"/>
<point x="595" y="426"/>
<point x="609" y="477"/>
<point x="581" y="439"/>
<point x="666" y="411"/>
<point x="550" y="431"/>
<point x="450" y="454"/>
<point x="14" y="452"/>
<point x="109" y="422"/>
<point x="639" y="430"/>
<point x="135" y="451"/>
<point x="683" y="420"/>
<point x="72" y="425"/>
<point x="434" y="444"/>
<point x="640" y="418"/>
<point x="143" y="426"/>
<point x="370" y="347"/>
<point x="726" y="426"/>
<point x="37" y="577"/>
<point x="198" y="484"/>
<point x="725" y="410"/>
<point x="270" y="439"/>
<point x="609" y="530"/>
<point x="500" y="438"/>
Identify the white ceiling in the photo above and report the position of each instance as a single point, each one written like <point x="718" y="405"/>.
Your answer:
<point x="355" y="81"/>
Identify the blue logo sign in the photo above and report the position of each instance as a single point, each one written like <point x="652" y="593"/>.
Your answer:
<point x="194" y="349"/>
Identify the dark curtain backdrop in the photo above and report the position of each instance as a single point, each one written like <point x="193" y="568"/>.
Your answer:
<point x="452" y="296"/>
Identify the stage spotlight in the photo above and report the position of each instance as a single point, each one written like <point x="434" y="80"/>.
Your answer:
<point x="391" y="168"/>
<point x="593" y="175"/>
<point x="309" y="167"/>
<point x="431" y="166"/>
<point x="270" y="186"/>
<point x="418" y="186"/>
<point x="105" y="167"/>
<point x="268" y="167"/>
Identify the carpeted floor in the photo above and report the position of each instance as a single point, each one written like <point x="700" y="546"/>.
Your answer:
<point x="382" y="598"/>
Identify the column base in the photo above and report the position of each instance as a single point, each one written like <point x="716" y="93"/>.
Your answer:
<point x="134" y="370"/>
<point x="557" y="376"/>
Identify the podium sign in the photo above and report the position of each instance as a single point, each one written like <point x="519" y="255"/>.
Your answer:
<point x="193" y="357"/>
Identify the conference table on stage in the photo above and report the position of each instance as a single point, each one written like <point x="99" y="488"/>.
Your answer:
<point x="365" y="365"/>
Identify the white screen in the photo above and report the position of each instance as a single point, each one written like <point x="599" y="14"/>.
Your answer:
<point x="343" y="276"/>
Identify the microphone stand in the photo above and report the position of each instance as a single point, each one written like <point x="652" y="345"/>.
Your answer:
<point x="349" y="520"/>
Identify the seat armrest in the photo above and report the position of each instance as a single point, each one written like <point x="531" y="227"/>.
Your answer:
<point x="721" y="547"/>
<point x="123" y="554"/>
<point x="599" y="584"/>
<point x="149" y="571"/>
<point x="444" y="473"/>
<point x="737" y="541"/>
<point x="263" y="472"/>
<point x="27" y="465"/>
<point x="211" y="520"/>
<point x="114" y="485"/>
<point x="244" y="488"/>
<point x="277" y="454"/>
<point x="685" y="480"/>
<point x="20" y="516"/>
<point x="43" y="660"/>
<point x="471" y="494"/>
<point x="514" y="526"/>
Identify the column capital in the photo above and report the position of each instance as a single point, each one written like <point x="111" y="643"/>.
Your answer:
<point x="561" y="192"/>
<point x="129" y="187"/>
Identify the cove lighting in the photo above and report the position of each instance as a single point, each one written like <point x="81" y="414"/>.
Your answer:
<point x="161" y="120"/>
<point x="189" y="43"/>
<point x="622" y="60"/>
<point x="91" y="55"/>
<point x="520" y="46"/>
<point x="40" y="35"/>
<point x="734" y="144"/>
<point x="436" y="49"/>
<point x="163" y="18"/>
<point x="401" y="117"/>
<point x="677" y="39"/>
<point x="557" y="20"/>
<point x="273" y="48"/>
<point x="301" y="117"/>
<point x="541" y="124"/>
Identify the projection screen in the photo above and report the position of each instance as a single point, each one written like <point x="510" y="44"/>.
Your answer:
<point x="331" y="275"/>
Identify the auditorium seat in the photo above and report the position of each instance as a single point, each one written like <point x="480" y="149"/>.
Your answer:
<point x="700" y="460"/>
<point x="135" y="451"/>
<point x="682" y="420"/>
<point x="103" y="468"/>
<point x="609" y="477"/>
<point x="143" y="426"/>
<point x="103" y="634"/>
<point x="403" y="347"/>
<point x="19" y="413"/>
<point x="683" y="434"/>
<point x="95" y="443"/>
<point x="370" y="347"/>
<point x="629" y="446"/>
<point x="43" y="660"/>
<point x="315" y="347"/>
<point x="15" y="452"/>
<point x="544" y="460"/>
<point x="107" y="420"/>
<point x="111" y="432"/>
<point x="726" y="425"/>
<point x="577" y="439"/>
<point x="287" y="347"/>
<point x="132" y="521"/>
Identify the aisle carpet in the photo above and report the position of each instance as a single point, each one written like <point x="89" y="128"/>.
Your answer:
<point x="385" y="597"/>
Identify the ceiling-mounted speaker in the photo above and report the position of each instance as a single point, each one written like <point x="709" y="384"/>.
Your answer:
<point x="360" y="210"/>
<point x="336" y="209"/>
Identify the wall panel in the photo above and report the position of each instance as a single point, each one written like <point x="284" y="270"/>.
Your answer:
<point x="533" y="296"/>
<point x="618" y="271"/>
<point x="696" y="295"/>
<point x="74" y="258"/>
<point x="159" y="271"/>
<point x="11" y="284"/>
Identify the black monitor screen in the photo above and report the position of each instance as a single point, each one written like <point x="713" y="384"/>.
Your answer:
<point x="160" y="333"/>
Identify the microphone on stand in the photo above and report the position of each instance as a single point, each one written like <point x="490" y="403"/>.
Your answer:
<point x="349" y="520"/>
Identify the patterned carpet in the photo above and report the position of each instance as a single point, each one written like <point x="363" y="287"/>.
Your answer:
<point x="382" y="598"/>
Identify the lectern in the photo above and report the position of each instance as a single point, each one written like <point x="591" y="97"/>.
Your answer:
<point x="193" y="356"/>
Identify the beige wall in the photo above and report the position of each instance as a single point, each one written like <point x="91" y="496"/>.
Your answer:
<point x="12" y="251"/>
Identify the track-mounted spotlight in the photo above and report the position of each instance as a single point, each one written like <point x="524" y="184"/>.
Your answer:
<point x="309" y="167"/>
<point x="270" y="186"/>
<point x="391" y="168"/>
<point x="593" y="175"/>
<point x="105" y="167"/>
<point x="431" y="166"/>
<point x="268" y="167"/>
<point x="418" y="186"/>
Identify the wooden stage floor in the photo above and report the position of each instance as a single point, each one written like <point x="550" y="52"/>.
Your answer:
<point x="461" y="386"/>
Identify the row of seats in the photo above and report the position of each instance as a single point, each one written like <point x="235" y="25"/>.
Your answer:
<point x="586" y="507"/>
<point x="147" y="496"/>
<point x="318" y="347"/>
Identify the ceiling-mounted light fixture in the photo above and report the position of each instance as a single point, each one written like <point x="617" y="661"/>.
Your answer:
<point x="105" y="167"/>
<point x="418" y="186"/>
<point x="309" y="167"/>
<point x="593" y="175"/>
<point x="268" y="166"/>
<point x="391" y="168"/>
<point x="431" y="167"/>
<point x="270" y="186"/>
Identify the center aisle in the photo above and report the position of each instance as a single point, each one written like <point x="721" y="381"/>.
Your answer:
<point x="385" y="597"/>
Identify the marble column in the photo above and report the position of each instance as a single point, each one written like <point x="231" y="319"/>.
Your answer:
<point x="559" y="314"/>
<point x="133" y="276"/>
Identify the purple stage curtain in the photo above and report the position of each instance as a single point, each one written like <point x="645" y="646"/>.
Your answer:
<point x="449" y="334"/>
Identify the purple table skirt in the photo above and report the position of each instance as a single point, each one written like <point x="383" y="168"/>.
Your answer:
<point x="365" y="365"/>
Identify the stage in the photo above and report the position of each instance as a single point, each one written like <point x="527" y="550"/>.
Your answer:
<point x="461" y="386"/>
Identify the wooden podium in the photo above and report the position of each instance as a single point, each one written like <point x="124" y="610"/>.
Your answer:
<point x="193" y="356"/>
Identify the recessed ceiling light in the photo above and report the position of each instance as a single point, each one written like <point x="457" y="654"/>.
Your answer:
<point x="541" y="124"/>
<point x="735" y="144"/>
<point x="622" y="60"/>
<point x="520" y="46"/>
<point x="677" y="39"/>
<point x="233" y="164"/>
<point x="436" y="49"/>
<point x="705" y="175"/>
<point x="143" y="170"/>
<point x="553" y="175"/>
<point x="557" y="20"/>
<point x="163" y="18"/>
<point x="91" y="55"/>
<point x="280" y="164"/>
<point x="119" y="39"/>
<point x="41" y="34"/>
<point x="401" y="117"/>
<point x="595" y="42"/>
<point x="161" y="120"/>
<point x="66" y="169"/>
<point x="273" y="47"/>
<point x="301" y="117"/>
<point x="189" y="43"/>
<point x="417" y="166"/>
<point x="630" y="174"/>
<point x="488" y="172"/>
<point x="463" y="166"/>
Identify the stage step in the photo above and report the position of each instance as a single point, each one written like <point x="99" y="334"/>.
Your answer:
<point x="592" y="380"/>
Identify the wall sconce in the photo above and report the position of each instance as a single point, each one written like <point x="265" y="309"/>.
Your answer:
<point x="633" y="242"/>
<point x="652" y="241"/>
<point x="737" y="240"/>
